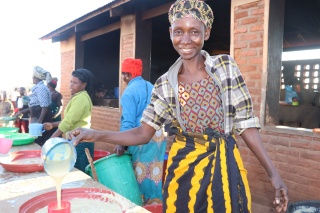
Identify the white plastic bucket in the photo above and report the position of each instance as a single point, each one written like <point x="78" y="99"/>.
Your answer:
<point x="36" y="129"/>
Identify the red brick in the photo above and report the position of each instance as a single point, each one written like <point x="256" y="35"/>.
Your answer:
<point x="240" y="45"/>
<point x="256" y="60"/>
<point x="300" y="144"/>
<point x="256" y="44"/>
<point x="240" y="14"/>
<point x="247" y="68"/>
<point x="310" y="155"/>
<point x="249" y="5"/>
<point x="248" y="52"/>
<point x="240" y="30"/>
<point x="248" y="37"/>
<point x="249" y="20"/>
<point x="255" y="28"/>
<point x="257" y="11"/>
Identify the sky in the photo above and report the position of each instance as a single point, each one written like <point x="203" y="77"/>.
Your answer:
<point x="22" y="24"/>
<point x="298" y="55"/>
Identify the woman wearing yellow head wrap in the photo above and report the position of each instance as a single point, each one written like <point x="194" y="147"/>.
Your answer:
<point x="40" y="102"/>
<point x="207" y="101"/>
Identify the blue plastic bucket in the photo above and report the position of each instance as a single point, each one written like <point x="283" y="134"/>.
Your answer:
<point x="116" y="173"/>
<point x="35" y="129"/>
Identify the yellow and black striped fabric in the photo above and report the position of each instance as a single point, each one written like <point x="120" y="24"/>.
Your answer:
<point x="205" y="173"/>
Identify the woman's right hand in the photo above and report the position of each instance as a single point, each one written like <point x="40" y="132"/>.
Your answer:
<point x="119" y="150"/>
<point x="48" y="126"/>
<point x="281" y="199"/>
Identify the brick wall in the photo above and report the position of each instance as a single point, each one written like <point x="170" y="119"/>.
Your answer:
<point x="248" y="46"/>
<point x="104" y="118"/>
<point x="67" y="66"/>
<point x="296" y="154"/>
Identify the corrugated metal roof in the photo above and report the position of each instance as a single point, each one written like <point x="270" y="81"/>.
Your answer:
<point x="69" y="26"/>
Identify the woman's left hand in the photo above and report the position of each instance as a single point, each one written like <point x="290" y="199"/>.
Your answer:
<point x="281" y="194"/>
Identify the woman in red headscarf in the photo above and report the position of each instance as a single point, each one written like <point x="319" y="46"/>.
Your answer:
<point x="147" y="159"/>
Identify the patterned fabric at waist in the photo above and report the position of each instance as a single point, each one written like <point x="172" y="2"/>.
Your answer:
<point x="206" y="140"/>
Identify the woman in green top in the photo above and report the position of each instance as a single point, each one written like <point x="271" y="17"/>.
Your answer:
<point x="77" y="113"/>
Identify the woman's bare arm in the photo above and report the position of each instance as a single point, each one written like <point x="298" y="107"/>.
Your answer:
<point x="253" y="140"/>
<point x="136" y="136"/>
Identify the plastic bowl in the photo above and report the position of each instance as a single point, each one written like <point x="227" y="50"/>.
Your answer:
<point x="100" y="154"/>
<point x="5" y="145"/>
<point x="154" y="208"/>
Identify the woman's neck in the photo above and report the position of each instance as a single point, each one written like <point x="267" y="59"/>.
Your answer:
<point x="192" y="70"/>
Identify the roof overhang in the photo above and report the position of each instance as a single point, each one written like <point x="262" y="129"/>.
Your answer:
<point x="64" y="32"/>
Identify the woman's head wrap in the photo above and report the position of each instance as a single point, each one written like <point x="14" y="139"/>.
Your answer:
<point x="85" y="76"/>
<point x="196" y="9"/>
<point x="42" y="74"/>
<point x="132" y="66"/>
<point x="53" y="82"/>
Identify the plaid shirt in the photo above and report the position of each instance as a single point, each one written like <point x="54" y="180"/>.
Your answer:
<point x="238" y="116"/>
<point x="40" y="96"/>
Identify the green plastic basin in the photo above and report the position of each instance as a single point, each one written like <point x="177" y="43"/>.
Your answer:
<point x="4" y="130"/>
<point x="20" y="139"/>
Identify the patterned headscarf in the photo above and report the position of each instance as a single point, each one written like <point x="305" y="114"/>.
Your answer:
<point x="196" y="9"/>
<point x="132" y="66"/>
<point x="41" y="73"/>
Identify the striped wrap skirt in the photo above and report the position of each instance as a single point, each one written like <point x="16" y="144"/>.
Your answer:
<point x="205" y="173"/>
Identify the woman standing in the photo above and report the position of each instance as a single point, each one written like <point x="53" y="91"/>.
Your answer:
<point x="147" y="159"/>
<point x="77" y="113"/>
<point x="56" y="100"/>
<point x="208" y="102"/>
<point x="40" y="101"/>
<point x="22" y="103"/>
